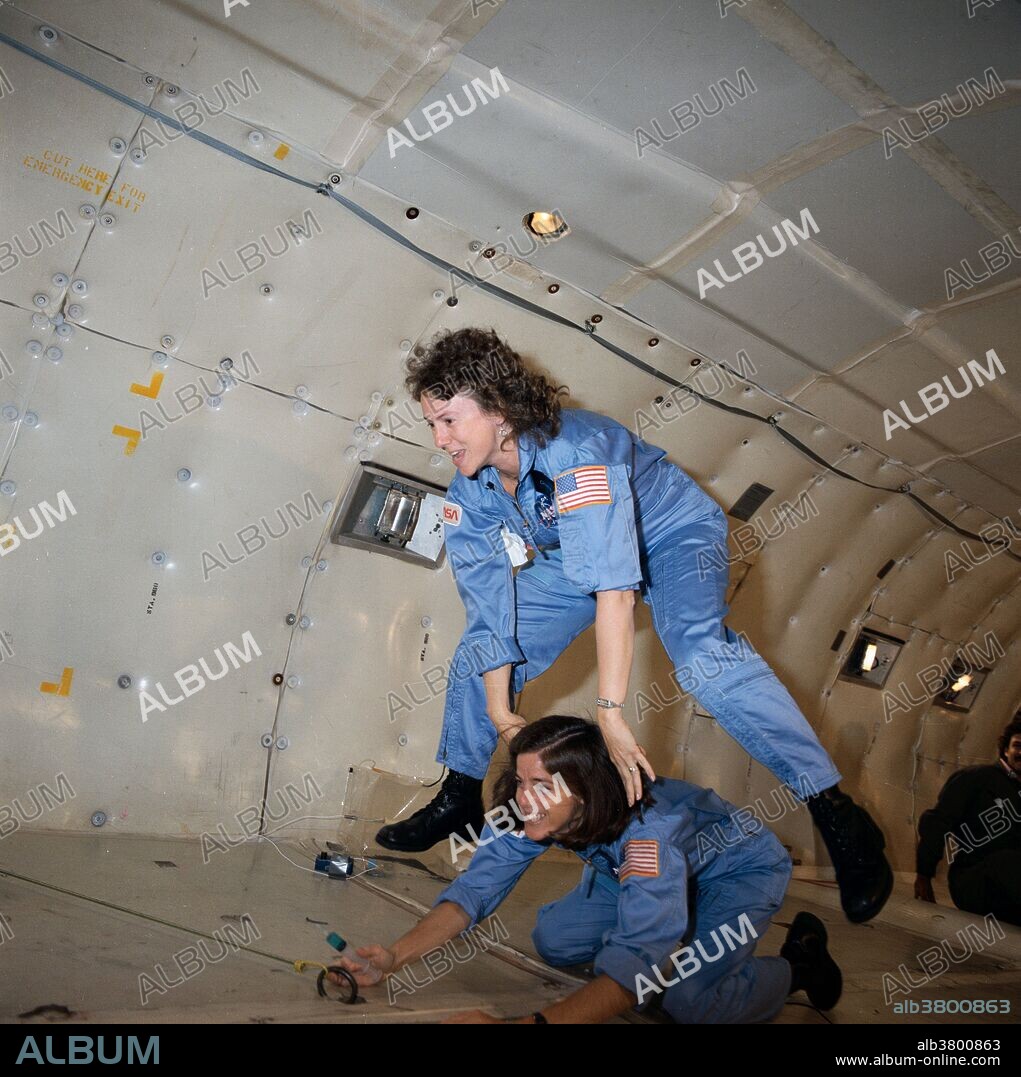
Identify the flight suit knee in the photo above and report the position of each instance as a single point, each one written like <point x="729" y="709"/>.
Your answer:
<point x="707" y="662"/>
<point x="560" y="939"/>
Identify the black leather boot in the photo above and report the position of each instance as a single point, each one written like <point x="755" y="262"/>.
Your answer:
<point x="457" y="806"/>
<point x="812" y="969"/>
<point x="855" y="846"/>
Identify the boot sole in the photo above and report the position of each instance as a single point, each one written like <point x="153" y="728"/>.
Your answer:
<point x="403" y="847"/>
<point x="825" y="998"/>
<point x="417" y="847"/>
<point x="877" y="907"/>
<point x="822" y="998"/>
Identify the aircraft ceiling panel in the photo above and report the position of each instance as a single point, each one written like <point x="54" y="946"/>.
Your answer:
<point x="254" y="266"/>
<point x="643" y="60"/>
<point x="316" y="65"/>
<point x="861" y="197"/>
<point x="710" y="333"/>
<point x="990" y="322"/>
<point x="924" y="47"/>
<point x="54" y="166"/>
<point x="782" y="300"/>
<point x="996" y="498"/>
<point x="515" y="154"/>
<point x="1001" y="461"/>
<point x="901" y="370"/>
<point x="988" y="144"/>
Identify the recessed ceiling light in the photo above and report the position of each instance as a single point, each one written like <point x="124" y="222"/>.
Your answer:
<point x="548" y="225"/>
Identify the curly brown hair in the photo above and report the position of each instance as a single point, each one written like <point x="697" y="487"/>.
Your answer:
<point x="479" y="364"/>
<point x="1012" y="729"/>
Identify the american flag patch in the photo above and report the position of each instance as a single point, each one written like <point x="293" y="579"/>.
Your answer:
<point x="582" y="486"/>
<point x="641" y="857"/>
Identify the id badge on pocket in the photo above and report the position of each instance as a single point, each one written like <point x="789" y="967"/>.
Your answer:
<point x="515" y="547"/>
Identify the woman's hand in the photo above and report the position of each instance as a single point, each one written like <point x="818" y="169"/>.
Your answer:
<point x="507" y="725"/>
<point x="380" y="961"/>
<point x="627" y="756"/>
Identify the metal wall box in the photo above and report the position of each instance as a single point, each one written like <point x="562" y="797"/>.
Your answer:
<point x="394" y="514"/>
<point x="961" y="687"/>
<point x="871" y="658"/>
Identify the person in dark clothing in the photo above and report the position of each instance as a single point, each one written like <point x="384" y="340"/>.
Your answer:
<point x="977" y="819"/>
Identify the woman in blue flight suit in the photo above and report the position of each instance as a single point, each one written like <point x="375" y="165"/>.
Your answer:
<point x="668" y="916"/>
<point x="605" y="514"/>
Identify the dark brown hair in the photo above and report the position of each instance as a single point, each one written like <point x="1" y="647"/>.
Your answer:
<point x="479" y="364"/>
<point x="1012" y="729"/>
<point x="574" y="748"/>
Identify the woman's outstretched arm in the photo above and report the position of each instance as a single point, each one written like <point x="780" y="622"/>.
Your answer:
<point x="615" y="645"/>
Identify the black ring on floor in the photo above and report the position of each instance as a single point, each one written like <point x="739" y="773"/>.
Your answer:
<point x="347" y="976"/>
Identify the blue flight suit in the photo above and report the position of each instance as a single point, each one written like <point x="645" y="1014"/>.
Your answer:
<point x="685" y="875"/>
<point x="606" y="511"/>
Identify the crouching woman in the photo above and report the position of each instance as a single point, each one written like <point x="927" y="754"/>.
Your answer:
<point x="672" y="899"/>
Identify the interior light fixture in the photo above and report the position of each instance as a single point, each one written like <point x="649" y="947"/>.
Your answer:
<point x="960" y="687"/>
<point x="548" y="225"/>
<point x="871" y="658"/>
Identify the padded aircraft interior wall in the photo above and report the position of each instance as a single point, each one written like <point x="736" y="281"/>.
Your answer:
<point x="290" y="236"/>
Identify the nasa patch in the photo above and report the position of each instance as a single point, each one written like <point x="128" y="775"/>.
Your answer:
<point x="451" y="514"/>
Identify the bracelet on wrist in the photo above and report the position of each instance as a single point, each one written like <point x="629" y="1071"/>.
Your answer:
<point x="608" y="704"/>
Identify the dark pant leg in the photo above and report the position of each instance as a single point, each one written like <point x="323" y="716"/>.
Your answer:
<point x="993" y="885"/>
